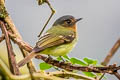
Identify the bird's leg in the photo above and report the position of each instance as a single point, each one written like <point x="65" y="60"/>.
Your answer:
<point x="56" y="68"/>
<point x="49" y="57"/>
<point x="53" y="66"/>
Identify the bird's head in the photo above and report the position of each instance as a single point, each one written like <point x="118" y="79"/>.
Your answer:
<point x="67" y="21"/>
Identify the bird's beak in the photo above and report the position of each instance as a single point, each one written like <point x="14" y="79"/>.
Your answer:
<point x="78" y="19"/>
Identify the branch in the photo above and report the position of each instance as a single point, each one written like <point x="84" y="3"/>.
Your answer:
<point x="46" y="24"/>
<point x="68" y="66"/>
<point x="2" y="38"/>
<point x="12" y="61"/>
<point x="117" y="75"/>
<point x="109" y="57"/>
<point x="111" y="53"/>
<point x="70" y="74"/>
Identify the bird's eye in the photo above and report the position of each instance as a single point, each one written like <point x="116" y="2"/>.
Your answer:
<point x="68" y="21"/>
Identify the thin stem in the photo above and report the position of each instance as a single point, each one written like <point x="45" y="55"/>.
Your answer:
<point x="45" y="25"/>
<point x="111" y="53"/>
<point x="53" y="11"/>
<point x="102" y="76"/>
<point x="117" y="75"/>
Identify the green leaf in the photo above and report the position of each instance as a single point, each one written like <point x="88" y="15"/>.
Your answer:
<point x="77" y="61"/>
<point x="89" y="74"/>
<point x="90" y="61"/>
<point x="44" y="66"/>
<point x="66" y="57"/>
<point x="59" y="58"/>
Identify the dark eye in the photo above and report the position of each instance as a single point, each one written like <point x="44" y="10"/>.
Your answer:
<point x="68" y="21"/>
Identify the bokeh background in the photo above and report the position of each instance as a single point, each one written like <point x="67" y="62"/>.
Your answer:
<point x="98" y="31"/>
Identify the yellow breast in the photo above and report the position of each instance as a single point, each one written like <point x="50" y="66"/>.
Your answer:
<point x="60" y="50"/>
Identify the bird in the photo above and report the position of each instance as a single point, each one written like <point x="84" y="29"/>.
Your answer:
<point x="59" y="40"/>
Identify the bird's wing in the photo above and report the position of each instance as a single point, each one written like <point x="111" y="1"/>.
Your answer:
<point x="49" y="40"/>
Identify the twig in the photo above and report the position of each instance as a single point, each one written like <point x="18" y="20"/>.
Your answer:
<point x="30" y="64"/>
<point x="12" y="61"/>
<point x="117" y="75"/>
<point x="45" y="24"/>
<point x="70" y="74"/>
<point x="101" y="76"/>
<point x="111" y="53"/>
<point x="53" y="11"/>
<point x="46" y="77"/>
<point x="2" y="38"/>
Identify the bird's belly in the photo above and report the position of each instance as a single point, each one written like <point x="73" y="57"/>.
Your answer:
<point x="59" y="50"/>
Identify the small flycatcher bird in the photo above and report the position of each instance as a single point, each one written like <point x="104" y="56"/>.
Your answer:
<point x="57" y="41"/>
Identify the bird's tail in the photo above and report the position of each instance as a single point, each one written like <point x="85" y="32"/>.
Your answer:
<point x="26" y="59"/>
